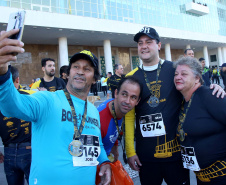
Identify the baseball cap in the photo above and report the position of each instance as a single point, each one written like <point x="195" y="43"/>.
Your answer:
<point x="93" y="59"/>
<point x="149" y="31"/>
<point x="223" y="65"/>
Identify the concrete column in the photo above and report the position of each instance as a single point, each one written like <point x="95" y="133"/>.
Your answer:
<point x="219" y="53"/>
<point x="224" y="54"/>
<point x="188" y="46"/>
<point x="206" y="56"/>
<point x="63" y="52"/>
<point x="168" y="52"/>
<point x="108" y="56"/>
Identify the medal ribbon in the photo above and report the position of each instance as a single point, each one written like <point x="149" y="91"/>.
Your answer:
<point x="77" y="133"/>
<point x="157" y="77"/>
<point x="186" y="111"/>
<point x="115" y="119"/>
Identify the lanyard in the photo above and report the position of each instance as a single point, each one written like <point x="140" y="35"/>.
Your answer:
<point x="157" y="77"/>
<point x="182" y="119"/>
<point x="77" y="133"/>
<point x="116" y="121"/>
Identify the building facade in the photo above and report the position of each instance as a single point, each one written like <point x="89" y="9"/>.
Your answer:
<point x="60" y="28"/>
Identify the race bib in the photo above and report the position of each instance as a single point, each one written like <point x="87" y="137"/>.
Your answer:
<point x="90" y="151"/>
<point x="152" y="125"/>
<point x="189" y="159"/>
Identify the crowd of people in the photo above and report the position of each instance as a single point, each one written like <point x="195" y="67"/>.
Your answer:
<point x="171" y="115"/>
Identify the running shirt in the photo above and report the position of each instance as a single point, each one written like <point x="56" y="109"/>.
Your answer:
<point x="168" y="111"/>
<point x="109" y="131"/>
<point x="205" y="127"/>
<point x="52" y="132"/>
<point x="52" y="86"/>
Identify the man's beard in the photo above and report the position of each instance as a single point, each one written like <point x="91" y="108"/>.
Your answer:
<point x="50" y="74"/>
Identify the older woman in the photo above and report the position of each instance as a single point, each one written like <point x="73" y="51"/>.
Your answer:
<point x="202" y="126"/>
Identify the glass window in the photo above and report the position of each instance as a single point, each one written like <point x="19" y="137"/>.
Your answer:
<point x="113" y="11"/>
<point x="15" y="4"/>
<point x="94" y="15"/>
<point x="87" y="14"/>
<point x="87" y="7"/>
<point x="93" y="1"/>
<point x="26" y="1"/>
<point x="26" y="6"/>
<point x="94" y="7"/>
<point x="46" y="2"/>
<point x="125" y="13"/>
<point x="36" y="1"/>
<point x="4" y="3"/>
<point x="79" y="5"/>
<point x="80" y="13"/>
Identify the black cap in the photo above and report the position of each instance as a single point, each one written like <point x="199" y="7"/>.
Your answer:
<point x="93" y="59"/>
<point x="223" y="65"/>
<point x="149" y="31"/>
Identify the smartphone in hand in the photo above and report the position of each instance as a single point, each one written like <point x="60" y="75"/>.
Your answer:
<point x="16" y="21"/>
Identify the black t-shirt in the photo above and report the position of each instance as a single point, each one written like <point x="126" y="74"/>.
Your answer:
<point x="169" y="106"/>
<point x="55" y="84"/>
<point x="13" y="130"/>
<point x="205" y="127"/>
<point x="113" y="82"/>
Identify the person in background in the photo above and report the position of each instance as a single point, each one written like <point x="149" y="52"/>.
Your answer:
<point x="223" y="74"/>
<point x="103" y="85"/>
<point x="114" y="79"/>
<point x="202" y="128"/>
<point x="49" y="82"/>
<point x="63" y="73"/>
<point x="215" y="75"/>
<point x="16" y="137"/>
<point x="189" y="52"/>
<point x="206" y="74"/>
<point x="108" y="84"/>
<point x="32" y="82"/>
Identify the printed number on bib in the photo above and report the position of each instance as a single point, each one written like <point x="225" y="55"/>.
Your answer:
<point x="90" y="153"/>
<point x="152" y="125"/>
<point x="189" y="159"/>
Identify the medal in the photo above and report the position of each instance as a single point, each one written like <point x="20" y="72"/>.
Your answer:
<point x="75" y="148"/>
<point x="153" y="101"/>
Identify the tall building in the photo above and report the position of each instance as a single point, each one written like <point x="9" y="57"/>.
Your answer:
<point x="59" y="28"/>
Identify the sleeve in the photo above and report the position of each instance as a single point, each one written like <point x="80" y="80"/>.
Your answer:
<point x="106" y="79"/>
<point x="103" y="155"/>
<point x="14" y="104"/>
<point x="215" y="106"/>
<point x="129" y="133"/>
<point x="36" y="85"/>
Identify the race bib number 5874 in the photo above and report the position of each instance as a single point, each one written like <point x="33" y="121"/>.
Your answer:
<point x="152" y="125"/>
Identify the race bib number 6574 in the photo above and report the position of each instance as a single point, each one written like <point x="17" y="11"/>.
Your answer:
<point x="152" y="125"/>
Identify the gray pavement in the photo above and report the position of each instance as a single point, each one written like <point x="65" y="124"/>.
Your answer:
<point x="131" y="172"/>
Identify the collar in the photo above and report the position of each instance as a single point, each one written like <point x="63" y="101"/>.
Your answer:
<point x="152" y="68"/>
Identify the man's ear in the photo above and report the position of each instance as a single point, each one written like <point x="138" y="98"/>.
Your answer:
<point x="17" y="80"/>
<point x="43" y="69"/>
